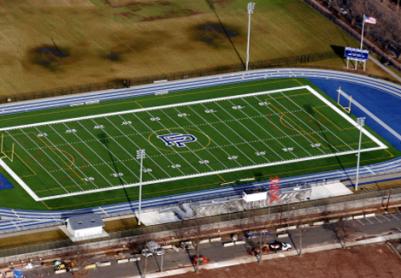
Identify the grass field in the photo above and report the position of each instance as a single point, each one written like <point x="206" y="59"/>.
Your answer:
<point x="254" y="129"/>
<point x="49" y="44"/>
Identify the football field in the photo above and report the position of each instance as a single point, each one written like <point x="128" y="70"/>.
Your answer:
<point x="182" y="140"/>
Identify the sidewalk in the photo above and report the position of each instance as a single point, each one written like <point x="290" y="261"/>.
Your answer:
<point x="306" y="239"/>
<point x="360" y="230"/>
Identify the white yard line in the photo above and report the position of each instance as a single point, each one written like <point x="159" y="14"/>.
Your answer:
<point x="130" y="154"/>
<point x="263" y="128"/>
<point x="286" y="134"/>
<point x="188" y="104"/>
<point x="250" y="130"/>
<point x="197" y="142"/>
<point x="244" y="126"/>
<point x="146" y="109"/>
<point x="188" y="119"/>
<point x="93" y="151"/>
<point x="80" y="154"/>
<point x="348" y="118"/>
<point x="62" y="157"/>
<point x="175" y="151"/>
<point x="250" y="167"/>
<point x="155" y="147"/>
<point x="40" y="164"/>
<point x="219" y="147"/>
<point x="199" y="114"/>
<point x="290" y="119"/>
<point x="329" y="129"/>
<point x="37" y="162"/>
<point x="136" y="146"/>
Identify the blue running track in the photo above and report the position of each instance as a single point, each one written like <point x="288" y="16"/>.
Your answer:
<point x="380" y="98"/>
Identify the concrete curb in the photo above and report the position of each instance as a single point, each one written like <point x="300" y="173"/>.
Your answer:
<point x="251" y="259"/>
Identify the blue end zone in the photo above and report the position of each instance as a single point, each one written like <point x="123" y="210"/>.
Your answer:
<point x="385" y="106"/>
<point x="4" y="183"/>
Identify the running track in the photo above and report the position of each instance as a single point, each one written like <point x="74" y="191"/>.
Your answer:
<point x="17" y="220"/>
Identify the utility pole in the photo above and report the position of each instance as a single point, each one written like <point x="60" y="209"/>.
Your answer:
<point x="145" y="268"/>
<point x="260" y="253"/>
<point x="140" y="154"/>
<point x="251" y="8"/>
<point x="161" y="262"/>
<point x="361" y="123"/>
<point x="300" y="239"/>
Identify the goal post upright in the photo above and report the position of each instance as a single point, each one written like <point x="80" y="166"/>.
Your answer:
<point x="12" y="152"/>
<point x="340" y="93"/>
<point x="2" y="143"/>
<point x="3" y="152"/>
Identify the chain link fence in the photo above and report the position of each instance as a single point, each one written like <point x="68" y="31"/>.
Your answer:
<point x="298" y="60"/>
<point x="243" y="219"/>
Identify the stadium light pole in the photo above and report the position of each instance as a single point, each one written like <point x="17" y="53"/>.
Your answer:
<point x="251" y="8"/>
<point x="361" y="123"/>
<point x="140" y="154"/>
<point x="363" y="30"/>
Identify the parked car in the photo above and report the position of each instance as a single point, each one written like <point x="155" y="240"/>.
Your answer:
<point x="159" y="251"/>
<point x="187" y="245"/>
<point x="278" y="245"/>
<point x="286" y="246"/>
<point x="146" y="252"/>
<point x="275" y="245"/>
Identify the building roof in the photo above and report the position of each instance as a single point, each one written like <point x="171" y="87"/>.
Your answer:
<point x="85" y="221"/>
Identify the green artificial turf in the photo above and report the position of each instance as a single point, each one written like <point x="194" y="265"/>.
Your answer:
<point x="233" y="134"/>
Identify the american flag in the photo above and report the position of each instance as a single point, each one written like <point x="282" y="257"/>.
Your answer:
<point x="369" y="19"/>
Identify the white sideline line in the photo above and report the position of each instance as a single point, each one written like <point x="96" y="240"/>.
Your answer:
<point x="19" y="180"/>
<point x="373" y="116"/>
<point x="348" y="118"/>
<point x="241" y="168"/>
<point x="207" y="174"/>
<point x="151" y="108"/>
<point x="285" y="133"/>
<point x="335" y="135"/>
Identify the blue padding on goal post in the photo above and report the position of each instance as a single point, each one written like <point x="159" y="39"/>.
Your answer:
<point x="4" y="183"/>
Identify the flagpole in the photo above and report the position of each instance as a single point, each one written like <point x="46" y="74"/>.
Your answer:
<point x="363" y="30"/>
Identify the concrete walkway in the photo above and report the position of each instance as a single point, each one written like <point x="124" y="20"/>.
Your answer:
<point x="319" y="236"/>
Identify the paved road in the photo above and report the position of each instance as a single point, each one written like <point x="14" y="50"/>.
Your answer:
<point x="314" y="238"/>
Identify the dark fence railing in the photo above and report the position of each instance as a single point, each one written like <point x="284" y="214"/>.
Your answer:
<point x="195" y="223"/>
<point x="298" y="60"/>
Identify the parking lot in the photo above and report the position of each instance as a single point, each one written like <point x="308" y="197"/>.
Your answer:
<point x="228" y="251"/>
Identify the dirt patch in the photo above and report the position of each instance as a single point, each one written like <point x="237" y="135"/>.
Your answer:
<point x="113" y="56"/>
<point x="172" y="13"/>
<point x="49" y="3"/>
<point x="51" y="57"/>
<point x="221" y="3"/>
<point x="213" y="33"/>
<point x="150" y="10"/>
<point x="126" y="3"/>
<point x="130" y="44"/>
<point x="367" y="261"/>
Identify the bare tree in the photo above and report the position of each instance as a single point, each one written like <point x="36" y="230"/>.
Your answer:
<point x="387" y="31"/>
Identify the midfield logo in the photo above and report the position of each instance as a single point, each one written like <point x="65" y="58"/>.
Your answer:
<point x="177" y="139"/>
